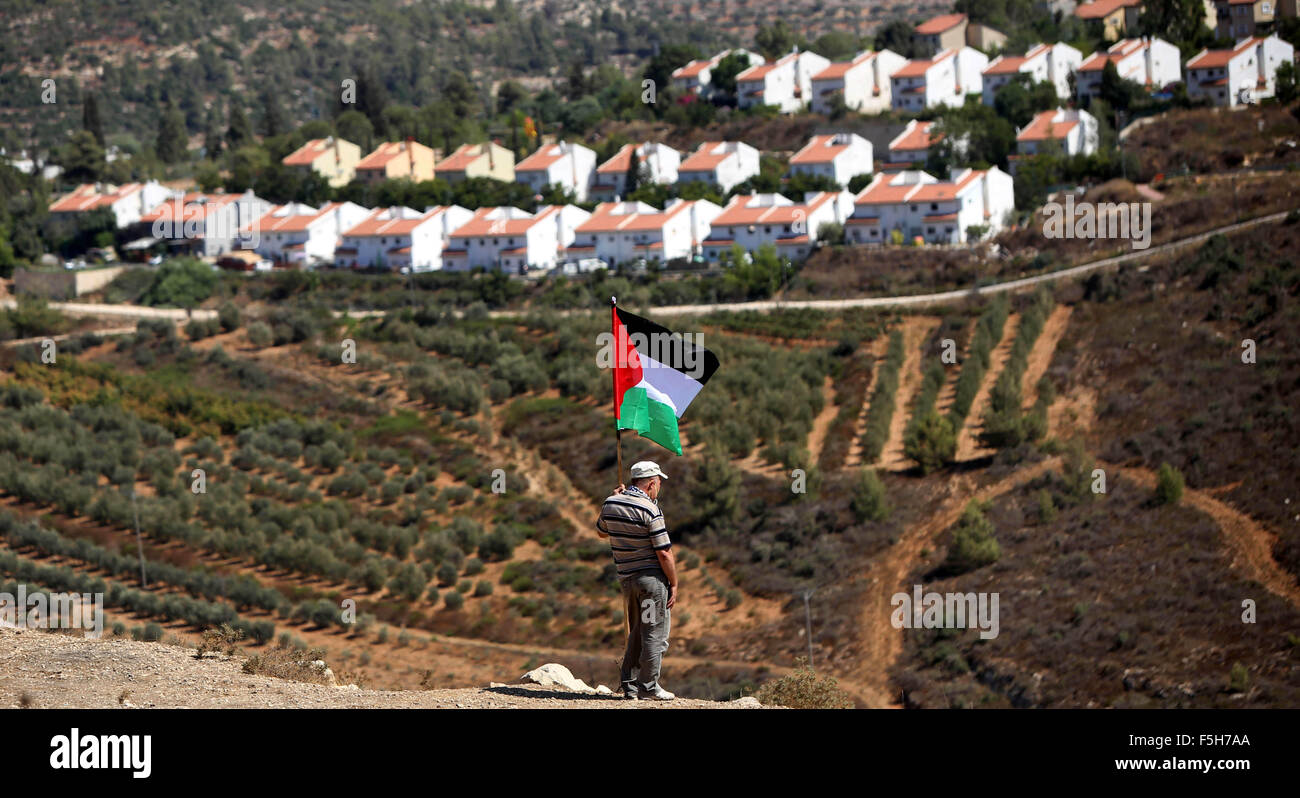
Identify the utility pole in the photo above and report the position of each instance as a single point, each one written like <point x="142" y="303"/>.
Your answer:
<point x="139" y="541"/>
<point x="807" y="615"/>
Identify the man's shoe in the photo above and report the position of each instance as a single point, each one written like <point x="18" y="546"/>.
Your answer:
<point x="659" y="694"/>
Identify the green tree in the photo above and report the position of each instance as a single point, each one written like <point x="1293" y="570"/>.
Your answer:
<point x="973" y="543"/>
<point x="90" y="120"/>
<point x="774" y="41"/>
<point x="1286" y="83"/>
<point x="181" y="282"/>
<point x="82" y="158"/>
<point x="1169" y="484"/>
<point x="171" y="144"/>
<point x="869" y="502"/>
<point x="723" y="76"/>
<point x="239" y="132"/>
<point x="715" y="493"/>
<point x="931" y="442"/>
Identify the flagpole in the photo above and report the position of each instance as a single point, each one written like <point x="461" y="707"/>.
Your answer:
<point x="618" y="432"/>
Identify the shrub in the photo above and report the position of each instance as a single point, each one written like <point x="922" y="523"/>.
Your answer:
<point x="228" y="317"/>
<point x="868" y="502"/>
<point x="454" y="600"/>
<point x="1169" y="484"/>
<point x="973" y="544"/>
<point x="483" y="588"/>
<point x="803" y="689"/>
<point x="932" y="442"/>
<point x="259" y="334"/>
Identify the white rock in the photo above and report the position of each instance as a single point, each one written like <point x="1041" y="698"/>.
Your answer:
<point x="603" y="690"/>
<point x="748" y="702"/>
<point x="555" y="675"/>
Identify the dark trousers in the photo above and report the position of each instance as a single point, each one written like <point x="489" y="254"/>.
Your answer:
<point x="645" y="605"/>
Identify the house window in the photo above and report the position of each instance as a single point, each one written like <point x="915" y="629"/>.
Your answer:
<point x="934" y="206"/>
<point x="929" y="230"/>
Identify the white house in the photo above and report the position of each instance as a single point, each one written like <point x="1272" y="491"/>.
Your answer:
<point x="1052" y="63"/>
<point x="720" y="163"/>
<point x="944" y="80"/>
<point x="1072" y="132"/>
<point x="302" y="235"/>
<point x="752" y="220"/>
<point x="839" y="156"/>
<point x="400" y="238"/>
<point x="513" y="240"/>
<point x="917" y="205"/>
<point x="696" y="77"/>
<point x="564" y="164"/>
<point x="208" y="225"/>
<point x="1245" y="74"/>
<point x="1152" y="63"/>
<point x="912" y="146"/>
<point x="128" y="203"/>
<point x="863" y="83"/>
<point x="785" y="83"/>
<point x="619" y="232"/>
<point x="658" y="164"/>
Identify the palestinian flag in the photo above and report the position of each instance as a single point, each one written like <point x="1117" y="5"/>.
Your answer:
<point x="657" y="374"/>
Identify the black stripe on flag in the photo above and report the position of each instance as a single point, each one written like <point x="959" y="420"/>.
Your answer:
<point x="676" y="352"/>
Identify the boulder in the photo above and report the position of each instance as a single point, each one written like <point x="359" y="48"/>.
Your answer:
<point x="748" y="702"/>
<point x="555" y="675"/>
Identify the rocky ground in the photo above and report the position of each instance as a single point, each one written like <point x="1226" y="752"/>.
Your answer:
<point x="41" y="669"/>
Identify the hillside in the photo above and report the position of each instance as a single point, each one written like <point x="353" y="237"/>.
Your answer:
<point x="36" y="667"/>
<point x="443" y="482"/>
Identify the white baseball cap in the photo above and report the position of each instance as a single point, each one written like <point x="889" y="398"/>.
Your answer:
<point x="647" y="468"/>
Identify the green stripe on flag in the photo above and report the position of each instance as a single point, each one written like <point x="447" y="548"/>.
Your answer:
<point x="653" y="420"/>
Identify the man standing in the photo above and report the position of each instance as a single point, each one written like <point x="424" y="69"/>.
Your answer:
<point x="643" y="555"/>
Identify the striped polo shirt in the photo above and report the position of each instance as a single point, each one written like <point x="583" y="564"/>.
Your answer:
<point x="636" y="530"/>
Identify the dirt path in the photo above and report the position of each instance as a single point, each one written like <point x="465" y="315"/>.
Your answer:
<point x="1250" y="543"/>
<point x="968" y="447"/>
<point x="948" y="393"/>
<point x="915" y="332"/>
<point x="822" y="424"/>
<point x="1040" y="357"/>
<point x="882" y="643"/>
<point x="876" y="352"/>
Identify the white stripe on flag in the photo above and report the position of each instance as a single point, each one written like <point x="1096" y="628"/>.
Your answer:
<point x="669" y="385"/>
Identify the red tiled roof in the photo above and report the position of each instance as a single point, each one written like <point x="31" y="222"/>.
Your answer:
<point x="194" y="205"/>
<point x="940" y="24"/>
<point x="918" y="138"/>
<point x="481" y="226"/>
<point x="737" y="212"/>
<point x="374" y="225"/>
<point x="464" y="157"/>
<point x="1207" y="59"/>
<point x="1101" y="8"/>
<point x="307" y="153"/>
<point x="1042" y="127"/>
<point x="841" y="68"/>
<point x="1006" y="65"/>
<point x="704" y="159"/>
<point x="820" y="149"/>
<point x="541" y="160"/>
<point x="759" y="71"/>
<point x="386" y="152"/>
<point x="619" y="163"/>
<point x="939" y="192"/>
<point x="86" y="198"/>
